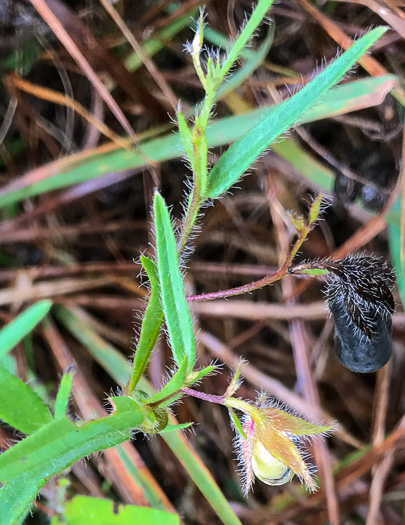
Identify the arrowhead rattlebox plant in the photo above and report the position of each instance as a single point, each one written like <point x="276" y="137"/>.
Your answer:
<point x="270" y="439"/>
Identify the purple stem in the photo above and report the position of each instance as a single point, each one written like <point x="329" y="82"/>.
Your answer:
<point x="202" y="395"/>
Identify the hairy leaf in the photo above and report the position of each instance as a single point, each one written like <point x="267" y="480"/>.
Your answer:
<point x="20" y="406"/>
<point x="176" y="312"/>
<point x="240" y="156"/>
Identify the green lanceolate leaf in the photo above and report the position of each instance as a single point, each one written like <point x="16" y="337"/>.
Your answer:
<point x="60" y="443"/>
<point x="62" y="397"/>
<point x="176" y="312"/>
<point x="22" y="325"/>
<point x="151" y="324"/>
<point x="16" y="497"/>
<point x="27" y="466"/>
<point x="20" y="406"/>
<point x="176" y="382"/>
<point x="237" y="423"/>
<point x="239" y="157"/>
<point x="253" y="59"/>
<point x="171" y="428"/>
<point x="185" y="137"/>
<point x="252" y="24"/>
<point x="97" y="511"/>
<point x="199" y="374"/>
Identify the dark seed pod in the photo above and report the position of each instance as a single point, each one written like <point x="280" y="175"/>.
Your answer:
<point x="355" y="350"/>
<point x="361" y="303"/>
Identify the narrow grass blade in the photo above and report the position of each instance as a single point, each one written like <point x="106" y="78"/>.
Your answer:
<point x="240" y="156"/>
<point x="156" y="42"/>
<point x="113" y="360"/>
<point x="174" y="304"/>
<point x="11" y="334"/>
<point x="20" y="406"/>
<point x="307" y="165"/>
<point x="201" y="476"/>
<point x="394" y="238"/>
<point x="62" y="397"/>
<point x="151" y="324"/>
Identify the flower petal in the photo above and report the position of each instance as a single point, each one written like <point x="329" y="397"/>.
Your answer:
<point x="284" y="422"/>
<point x="284" y="450"/>
<point x="267" y="468"/>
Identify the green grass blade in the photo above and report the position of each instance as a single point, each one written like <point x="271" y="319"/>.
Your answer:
<point x="20" y="406"/>
<point x="240" y="156"/>
<point x="112" y="361"/>
<point x="151" y="324"/>
<point x="97" y="511"/>
<point x="156" y="42"/>
<point x="147" y="485"/>
<point x="11" y="334"/>
<point x="394" y="238"/>
<point x="174" y="304"/>
<point x="307" y="165"/>
<point x="63" y="395"/>
<point x="201" y="476"/>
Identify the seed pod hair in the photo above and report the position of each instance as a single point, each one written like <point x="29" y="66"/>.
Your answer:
<point x="360" y="299"/>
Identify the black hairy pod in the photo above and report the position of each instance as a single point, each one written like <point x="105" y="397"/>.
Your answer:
<point x="360" y="300"/>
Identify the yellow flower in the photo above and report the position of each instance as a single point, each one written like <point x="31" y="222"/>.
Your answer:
<point x="269" y="444"/>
